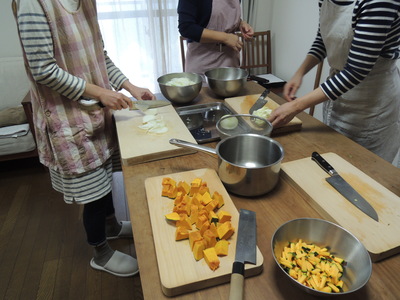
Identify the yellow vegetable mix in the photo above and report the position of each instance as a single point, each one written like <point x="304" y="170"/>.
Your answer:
<point x="313" y="266"/>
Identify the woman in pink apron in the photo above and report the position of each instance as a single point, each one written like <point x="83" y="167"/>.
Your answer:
<point x="209" y="26"/>
<point x="362" y="94"/>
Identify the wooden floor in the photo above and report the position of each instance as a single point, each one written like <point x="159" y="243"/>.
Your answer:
<point x="43" y="249"/>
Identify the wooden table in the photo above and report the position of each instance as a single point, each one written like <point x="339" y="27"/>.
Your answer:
<point x="282" y="204"/>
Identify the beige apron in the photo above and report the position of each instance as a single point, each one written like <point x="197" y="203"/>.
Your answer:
<point x="225" y="17"/>
<point x="369" y="113"/>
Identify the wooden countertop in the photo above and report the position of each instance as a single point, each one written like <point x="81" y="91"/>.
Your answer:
<point x="282" y="204"/>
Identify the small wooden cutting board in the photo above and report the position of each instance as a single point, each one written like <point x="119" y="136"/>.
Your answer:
<point x="242" y="105"/>
<point x="382" y="239"/>
<point x="139" y="146"/>
<point x="179" y="271"/>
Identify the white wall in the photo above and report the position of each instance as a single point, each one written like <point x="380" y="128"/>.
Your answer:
<point x="10" y="46"/>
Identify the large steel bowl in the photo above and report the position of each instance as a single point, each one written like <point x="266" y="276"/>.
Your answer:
<point x="180" y="94"/>
<point x="226" y="82"/>
<point x="338" y="240"/>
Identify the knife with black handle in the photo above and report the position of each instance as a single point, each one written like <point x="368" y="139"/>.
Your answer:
<point x="344" y="188"/>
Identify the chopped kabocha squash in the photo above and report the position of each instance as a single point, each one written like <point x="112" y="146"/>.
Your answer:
<point x="198" y="248"/>
<point x="221" y="247"/>
<point x="181" y="233"/>
<point x="197" y="219"/>
<point x="211" y="258"/>
<point x="174" y="216"/>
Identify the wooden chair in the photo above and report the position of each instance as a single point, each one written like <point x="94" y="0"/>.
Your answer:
<point x="256" y="53"/>
<point x="317" y="81"/>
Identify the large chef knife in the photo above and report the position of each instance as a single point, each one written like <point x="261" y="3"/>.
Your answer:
<point x="261" y="101"/>
<point x="344" y="188"/>
<point x="143" y="105"/>
<point x="246" y="251"/>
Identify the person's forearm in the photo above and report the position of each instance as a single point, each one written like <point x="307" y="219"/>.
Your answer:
<point x="313" y="98"/>
<point x="212" y="36"/>
<point x="309" y="62"/>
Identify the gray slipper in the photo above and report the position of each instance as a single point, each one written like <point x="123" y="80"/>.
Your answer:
<point x="120" y="264"/>
<point x="126" y="231"/>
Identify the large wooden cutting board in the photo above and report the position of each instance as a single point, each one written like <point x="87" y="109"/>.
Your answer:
<point x="242" y="105"/>
<point x="382" y="239"/>
<point x="179" y="271"/>
<point x="138" y="146"/>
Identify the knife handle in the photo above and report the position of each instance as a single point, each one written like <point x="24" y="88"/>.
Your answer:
<point x="323" y="163"/>
<point x="237" y="281"/>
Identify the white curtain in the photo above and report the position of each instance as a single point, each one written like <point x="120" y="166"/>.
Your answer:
<point x="142" y="38"/>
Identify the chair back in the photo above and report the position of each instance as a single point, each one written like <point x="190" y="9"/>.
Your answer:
<point x="317" y="81"/>
<point x="256" y="53"/>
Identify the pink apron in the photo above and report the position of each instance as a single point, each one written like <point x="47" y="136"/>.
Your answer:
<point x="225" y="16"/>
<point x="369" y="112"/>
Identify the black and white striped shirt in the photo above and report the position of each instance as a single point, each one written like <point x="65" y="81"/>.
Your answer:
<point x="376" y="25"/>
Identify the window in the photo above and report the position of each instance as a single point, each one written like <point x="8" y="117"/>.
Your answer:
<point x="142" y="38"/>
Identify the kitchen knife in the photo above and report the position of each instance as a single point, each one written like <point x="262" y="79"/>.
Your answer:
<point x="246" y="251"/>
<point x="261" y="101"/>
<point x="144" y="105"/>
<point x="344" y="188"/>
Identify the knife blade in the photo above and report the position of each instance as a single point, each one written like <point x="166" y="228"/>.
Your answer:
<point x="261" y="101"/>
<point x="344" y="188"/>
<point x="246" y="251"/>
<point x="144" y="105"/>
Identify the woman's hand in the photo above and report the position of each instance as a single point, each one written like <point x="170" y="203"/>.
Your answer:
<point x="138" y="92"/>
<point x="283" y="114"/>
<point x="142" y="94"/>
<point x="246" y="30"/>
<point x="291" y="87"/>
<point x="233" y="41"/>
<point x="114" y="100"/>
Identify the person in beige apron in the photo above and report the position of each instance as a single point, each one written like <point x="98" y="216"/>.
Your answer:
<point x="366" y="113"/>
<point x="200" y="57"/>
<point x="369" y="113"/>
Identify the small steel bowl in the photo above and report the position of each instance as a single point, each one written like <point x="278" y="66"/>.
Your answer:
<point x="338" y="240"/>
<point x="226" y="82"/>
<point x="246" y="123"/>
<point x="180" y="94"/>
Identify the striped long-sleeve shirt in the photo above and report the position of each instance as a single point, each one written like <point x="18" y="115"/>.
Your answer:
<point x="376" y="25"/>
<point x="38" y="45"/>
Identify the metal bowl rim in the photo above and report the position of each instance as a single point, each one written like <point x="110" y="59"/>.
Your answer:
<point x="308" y="289"/>
<point x="275" y="142"/>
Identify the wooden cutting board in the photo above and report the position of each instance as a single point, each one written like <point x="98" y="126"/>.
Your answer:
<point x="179" y="271"/>
<point x="242" y="105"/>
<point x="138" y="146"/>
<point x="382" y="239"/>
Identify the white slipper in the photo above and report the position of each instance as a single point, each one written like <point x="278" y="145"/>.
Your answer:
<point x="126" y="231"/>
<point x="120" y="264"/>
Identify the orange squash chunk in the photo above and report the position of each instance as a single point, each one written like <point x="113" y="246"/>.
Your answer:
<point x="198" y="248"/>
<point x="210" y="238"/>
<point x="204" y="227"/>
<point x="224" y="216"/>
<point x="184" y="221"/>
<point x="181" y="233"/>
<point x="194" y="236"/>
<point x="183" y="187"/>
<point x="211" y="258"/>
<point x="217" y="196"/>
<point x="225" y="230"/>
<point x="221" y="247"/>
<point x="201" y="220"/>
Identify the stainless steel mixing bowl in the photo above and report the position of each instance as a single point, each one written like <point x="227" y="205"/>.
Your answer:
<point x="226" y="82"/>
<point x="338" y="240"/>
<point x="180" y="94"/>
